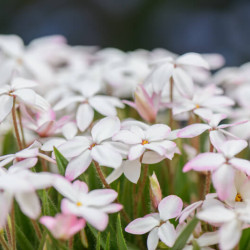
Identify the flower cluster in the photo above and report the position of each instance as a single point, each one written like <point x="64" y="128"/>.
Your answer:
<point x="74" y="119"/>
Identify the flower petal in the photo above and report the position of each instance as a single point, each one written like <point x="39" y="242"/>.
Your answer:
<point x="153" y="239"/>
<point x="132" y="170"/>
<point x="6" y="106"/>
<point x="157" y="132"/>
<point x="193" y="130"/>
<point x="84" y="116"/>
<point x="232" y="147"/>
<point x="135" y="152"/>
<point x="127" y="137"/>
<point x="167" y="234"/>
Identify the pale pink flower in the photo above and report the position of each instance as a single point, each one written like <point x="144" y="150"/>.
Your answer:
<point x="81" y="150"/>
<point x="93" y="206"/>
<point x="222" y="165"/>
<point x="63" y="226"/>
<point x="158" y="223"/>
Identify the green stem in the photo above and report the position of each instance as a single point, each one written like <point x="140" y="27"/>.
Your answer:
<point x="3" y="242"/>
<point x="13" y="228"/>
<point x="37" y="229"/>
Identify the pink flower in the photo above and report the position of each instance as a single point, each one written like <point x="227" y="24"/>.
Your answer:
<point x="93" y="206"/>
<point x="63" y="226"/>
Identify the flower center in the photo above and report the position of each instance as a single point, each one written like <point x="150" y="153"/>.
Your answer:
<point x="79" y="204"/>
<point x="197" y="106"/>
<point x="92" y="145"/>
<point x="238" y="198"/>
<point x="144" y="142"/>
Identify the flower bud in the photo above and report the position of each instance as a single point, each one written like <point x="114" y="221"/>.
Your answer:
<point x="155" y="191"/>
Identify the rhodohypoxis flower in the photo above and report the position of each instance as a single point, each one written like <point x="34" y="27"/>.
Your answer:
<point x="21" y="185"/>
<point x="231" y="222"/>
<point x="216" y="131"/>
<point x="63" y="226"/>
<point x="89" y="101"/>
<point x="222" y="165"/>
<point x="158" y="223"/>
<point x="27" y="157"/>
<point x="20" y="89"/>
<point x="154" y="138"/>
<point x="93" y="206"/>
<point x="98" y="147"/>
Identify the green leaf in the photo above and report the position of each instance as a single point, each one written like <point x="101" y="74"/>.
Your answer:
<point x="84" y="238"/>
<point x="183" y="237"/>
<point x="9" y="144"/>
<point x="107" y="246"/>
<point x="95" y="233"/>
<point x="23" y="241"/>
<point x="42" y="241"/>
<point x="61" y="161"/>
<point x="119" y="235"/>
<point x="98" y="242"/>
<point x="195" y="245"/>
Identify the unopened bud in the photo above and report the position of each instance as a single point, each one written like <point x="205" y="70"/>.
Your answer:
<point x="155" y="191"/>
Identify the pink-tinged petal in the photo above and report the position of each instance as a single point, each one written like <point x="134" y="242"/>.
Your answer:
<point x="27" y="153"/>
<point x="106" y="155"/>
<point x="241" y="164"/>
<point x="156" y="147"/>
<point x="223" y="181"/>
<point x="74" y="147"/>
<point x="47" y="129"/>
<point x="230" y="234"/>
<point x="142" y="225"/>
<point x="67" y="101"/>
<point x="145" y="104"/>
<point x="6" y="106"/>
<point x="217" y="139"/>
<point x="192" y="130"/>
<point x="127" y="137"/>
<point x="214" y="60"/>
<point x="157" y="132"/>
<point x="105" y="129"/>
<point x="216" y="119"/>
<point x="153" y="239"/>
<point x="101" y="197"/>
<point x="55" y="142"/>
<point x="6" y="201"/>
<point x="170" y="207"/>
<point x="183" y="82"/>
<point x="78" y="165"/>
<point x="205" y="161"/>
<point x="232" y="147"/>
<point x="29" y="204"/>
<point x="49" y="222"/>
<point x="192" y="59"/>
<point x="167" y="234"/>
<point x="7" y="160"/>
<point x="208" y="239"/>
<point x="27" y="163"/>
<point x="132" y="170"/>
<point x="189" y="210"/>
<point x="232" y="124"/>
<point x="95" y="217"/>
<point x="204" y="114"/>
<point x="102" y="105"/>
<point x="114" y="175"/>
<point x="40" y="180"/>
<point x="111" y="208"/>
<point x="80" y="187"/>
<point x="84" y="116"/>
<point x="218" y="101"/>
<point x="135" y="152"/>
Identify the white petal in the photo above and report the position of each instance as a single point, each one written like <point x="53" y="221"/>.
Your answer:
<point x="135" y="152"/>
<point x="27" y="96"/>
<point x="6" y="201"/>
<point x="67" y="101"/>
<point x="157" y="132"/>
<point x="153" y="239"/>
<point x="69" y="130"/>
<point x="106" y="155"/>
<point x="54" y="142"/>
<point x="192" y="59"/>
<point x="230" y="234"/>
<point x="142" y="225"/>
<point x="105" y="129"/>
<point x="78" y="165"/>
<point x="232" y="147"/>
<point x="102" y="105"/>
<point x="193" y="130"/>
<point x="170" y="207"/>
<point x="127" y="137"/>
<point x="132" y="170"/>
<point x="189" y="210"/>
<point x="84" y="116"/>
<point x="167" y="234"/>
<point x="208" y="239"/>
<point x="114" y="175"/>
<point x="5" y="107"/>
<point x="21" y="83"/>
<point x="101" y="197"/>
<point x="217" y="139"/>
<point x="29" y="204"/>
<point x="241" y="164"/>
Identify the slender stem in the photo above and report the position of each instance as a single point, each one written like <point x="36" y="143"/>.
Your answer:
<point x="171" y="88"/>
<point x="141" y="188"/>
<point x="71" y="243"/>
<point x="15" y="124"/>
<point x="3" y="242"/>
<point x="104" y="182"/>
<point x="7" y="230"/>
<point x="21" y="127"/>
<point x="37" y="229"/>
<point x="170" y="176"/>
<point x="13" y="228"/>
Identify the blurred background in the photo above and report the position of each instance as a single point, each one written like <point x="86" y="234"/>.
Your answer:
<point x="180" y="26"/>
